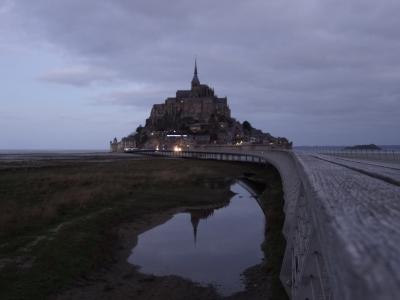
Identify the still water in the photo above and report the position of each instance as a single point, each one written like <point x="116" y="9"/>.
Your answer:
<point x="207" y="246"/>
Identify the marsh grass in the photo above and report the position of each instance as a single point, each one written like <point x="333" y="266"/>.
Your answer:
<point x="35" y="197"/>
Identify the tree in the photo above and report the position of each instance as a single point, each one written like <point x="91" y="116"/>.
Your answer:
<point x="247" y="126"/>
<point x="139" y="129"/>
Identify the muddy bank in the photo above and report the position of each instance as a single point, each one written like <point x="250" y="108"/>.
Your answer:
<point x="120" y="280"/>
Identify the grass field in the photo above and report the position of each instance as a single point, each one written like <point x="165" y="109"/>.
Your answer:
<point x="59" y="219"/>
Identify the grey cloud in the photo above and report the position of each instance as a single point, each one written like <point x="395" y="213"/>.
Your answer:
<point x="143" y="96"/>
<point x="80" y="76"/>
<point x="304" y="59"/>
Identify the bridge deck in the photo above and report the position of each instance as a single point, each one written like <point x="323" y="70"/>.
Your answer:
<point x="384" y="171"/>
<point x="358" y="219"/>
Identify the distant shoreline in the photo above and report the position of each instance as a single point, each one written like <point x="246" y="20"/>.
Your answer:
<point x="383" y="147"/>
<point x="50" y="151"/>
<point x="94" y="151"/>
<point x="9" y="156"/>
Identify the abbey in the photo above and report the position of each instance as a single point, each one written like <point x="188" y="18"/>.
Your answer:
<point x="189" y="108"/>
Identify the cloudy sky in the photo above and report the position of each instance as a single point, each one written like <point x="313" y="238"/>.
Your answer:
<point x="76" y="73"/>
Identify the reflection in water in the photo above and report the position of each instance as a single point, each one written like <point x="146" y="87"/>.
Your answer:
<point x="196" y="215"/>
<point x="208" y="246"/>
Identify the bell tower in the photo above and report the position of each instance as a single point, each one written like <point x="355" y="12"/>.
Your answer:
<point x="195" y="80"/>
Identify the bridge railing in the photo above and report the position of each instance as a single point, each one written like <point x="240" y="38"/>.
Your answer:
<point x="364" y="154"/>
<point x="202" y="154"/>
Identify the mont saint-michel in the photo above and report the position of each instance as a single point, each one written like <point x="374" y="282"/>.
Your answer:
<point x="194" y="117"/>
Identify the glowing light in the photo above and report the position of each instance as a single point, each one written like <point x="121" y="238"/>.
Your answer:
<point x="176" y="135"/>
<point x="177" y="149"/>
<point x="157" y="148"/>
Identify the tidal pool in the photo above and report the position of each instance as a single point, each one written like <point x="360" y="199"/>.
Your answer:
<point x="207" y="246"/>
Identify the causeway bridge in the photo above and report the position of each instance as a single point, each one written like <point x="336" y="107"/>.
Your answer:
<point x="342" y="221"/>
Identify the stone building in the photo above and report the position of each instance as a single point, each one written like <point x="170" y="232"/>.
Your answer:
<point x="114" y="145"/>
<point x="128" y="142"/>
<point x="189" y="108"/>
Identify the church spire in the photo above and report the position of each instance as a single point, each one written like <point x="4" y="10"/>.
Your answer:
<point x="195" y="80"/>
<point x="195" y="224"/>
